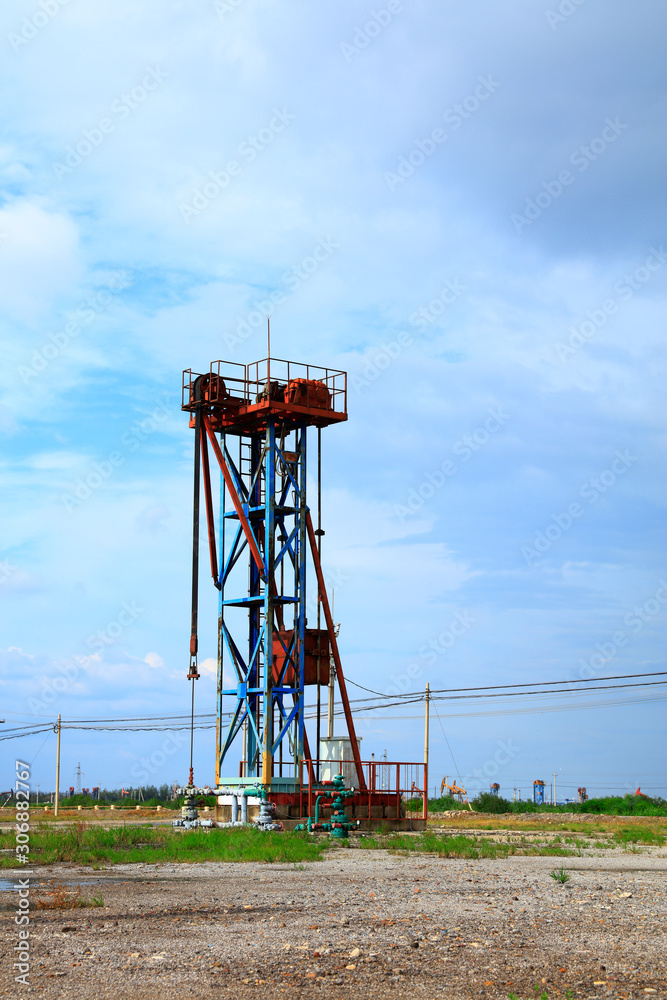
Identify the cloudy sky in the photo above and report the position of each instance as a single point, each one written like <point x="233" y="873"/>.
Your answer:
<point x="459" y="203"/>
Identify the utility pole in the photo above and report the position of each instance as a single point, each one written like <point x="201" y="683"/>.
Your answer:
<point x="37" y="802"/>
<point x="56" y="807"/>
<point x="426" y="735"/>
<point x="554" y="799"/>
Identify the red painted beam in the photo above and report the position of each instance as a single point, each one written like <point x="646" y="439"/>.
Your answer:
<point x="334" y="649"/>
<point x="212" y="548"/>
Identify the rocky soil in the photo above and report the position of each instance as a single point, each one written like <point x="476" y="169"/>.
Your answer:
<point x="362" y="923"/>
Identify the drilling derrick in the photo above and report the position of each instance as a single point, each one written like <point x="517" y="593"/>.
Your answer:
<point x="252" y="421"/>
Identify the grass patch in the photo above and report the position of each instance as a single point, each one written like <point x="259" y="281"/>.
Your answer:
<point x="456" y="846"/>
<point x="91" y="845"/>
<point x="606" y="826"/>
<point x="445" y="803"/>
<point x="613" y="805"/>
<point x="639" y="835"/>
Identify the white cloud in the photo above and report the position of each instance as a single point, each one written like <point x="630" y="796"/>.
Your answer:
<point x="40" y="259"/>
<point x="209" y="666"/>
<point x="56" y="460"/>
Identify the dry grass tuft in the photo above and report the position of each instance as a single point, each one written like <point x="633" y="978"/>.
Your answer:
<point x="58" y="897"/>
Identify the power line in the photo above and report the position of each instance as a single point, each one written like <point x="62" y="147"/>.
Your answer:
<point x="176" y="723"/>
<point x="529" y="710"/>
<point x="393" y="697"/>
<point x="419" y="696"/>
<point x="504" y="687"/>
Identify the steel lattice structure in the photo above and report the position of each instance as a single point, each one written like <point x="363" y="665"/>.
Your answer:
<point x="255" y="420"/>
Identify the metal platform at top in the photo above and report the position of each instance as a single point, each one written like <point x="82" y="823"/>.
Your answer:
<point x="240" y="399"/>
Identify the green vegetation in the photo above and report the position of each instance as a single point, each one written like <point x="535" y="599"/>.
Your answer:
<point x="559" y="875"/>
<point x="119" y="803"/>
<point x="543" y="995"/>
<point x="615" y="805"/>
<point x="457" y="846"/>
<point x="639" y="835"/>
<point x="148" y="795"/>
<point x="612" y="805"/>
<point x="443" y="804"/>
<point x="85" y="844"/>
<point x="488" y="803"/>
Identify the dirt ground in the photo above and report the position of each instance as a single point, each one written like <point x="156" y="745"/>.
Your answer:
<point x="360" y="922"/>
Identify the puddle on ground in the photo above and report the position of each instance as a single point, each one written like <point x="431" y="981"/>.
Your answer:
<point x="7" y="886"/>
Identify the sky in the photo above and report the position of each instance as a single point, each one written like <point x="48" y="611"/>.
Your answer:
<point x="461" y="204"/>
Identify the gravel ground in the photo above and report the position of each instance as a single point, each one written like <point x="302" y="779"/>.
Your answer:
<point x="362" y="922"/>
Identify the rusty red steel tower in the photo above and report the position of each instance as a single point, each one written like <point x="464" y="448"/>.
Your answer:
<point x="252" y="421"/>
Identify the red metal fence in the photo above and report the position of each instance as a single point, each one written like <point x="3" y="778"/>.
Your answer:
<point x="390" y="785"/>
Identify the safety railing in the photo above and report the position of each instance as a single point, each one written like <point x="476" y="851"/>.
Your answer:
<point x="231" y="384"/>
<point x="387" y="789"/>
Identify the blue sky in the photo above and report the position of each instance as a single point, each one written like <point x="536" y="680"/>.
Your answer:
<point x="480" y="187"/>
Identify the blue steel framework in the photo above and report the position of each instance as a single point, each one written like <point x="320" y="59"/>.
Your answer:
<point x="270" y="479"/>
